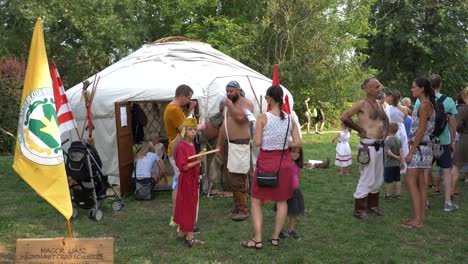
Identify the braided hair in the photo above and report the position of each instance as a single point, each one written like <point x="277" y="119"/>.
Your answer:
<point x="276" y="92"/>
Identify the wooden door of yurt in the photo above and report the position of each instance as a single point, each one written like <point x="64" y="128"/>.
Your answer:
<point x="124" y="145"/>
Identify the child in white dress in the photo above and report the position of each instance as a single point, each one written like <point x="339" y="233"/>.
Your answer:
<point x="343" y="150"/>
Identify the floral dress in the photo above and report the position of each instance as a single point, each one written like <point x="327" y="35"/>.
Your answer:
<point x="422" y="157"/>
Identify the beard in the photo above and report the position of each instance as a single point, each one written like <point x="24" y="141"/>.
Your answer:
<point x="234" y="98"/>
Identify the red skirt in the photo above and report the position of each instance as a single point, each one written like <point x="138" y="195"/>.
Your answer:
<point x="268" y="161"/>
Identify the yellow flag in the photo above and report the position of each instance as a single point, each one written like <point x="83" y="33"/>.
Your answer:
<point x="38" y="153"/>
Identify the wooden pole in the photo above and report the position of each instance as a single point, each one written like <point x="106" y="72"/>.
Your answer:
<point x="7" y="133"/>
<point x="203" y="153"/>
<point x="261" y="104"/>
<point x="255" y="95"/>
<point x="69" y="228"/>
<point x="88" y="101"/>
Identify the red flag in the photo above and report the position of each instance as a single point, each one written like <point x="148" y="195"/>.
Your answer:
<point x="66" y="121"/>
<point x="275" y="75"/>
<point x="286" y="106"/>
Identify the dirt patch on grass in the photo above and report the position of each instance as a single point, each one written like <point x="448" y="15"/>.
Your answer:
<point x="5" y="255"/>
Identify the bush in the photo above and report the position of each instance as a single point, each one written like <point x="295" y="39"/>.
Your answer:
<point x="12" y="71"/>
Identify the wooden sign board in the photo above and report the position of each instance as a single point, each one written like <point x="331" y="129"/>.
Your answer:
<point x="65" y="250"/>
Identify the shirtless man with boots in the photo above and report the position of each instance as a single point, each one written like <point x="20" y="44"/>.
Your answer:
<point x="372" y="127"/>
<point x="238" y="129"/>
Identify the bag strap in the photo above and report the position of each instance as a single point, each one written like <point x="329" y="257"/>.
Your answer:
<point x="225" y="123"/>
<point x="284" y="145"/>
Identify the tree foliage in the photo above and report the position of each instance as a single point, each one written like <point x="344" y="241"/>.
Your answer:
<point x="325" y="48"/>
<point x="313" y="41"/>
<point x="419" y="38"/>
<point x="12" y="72"/>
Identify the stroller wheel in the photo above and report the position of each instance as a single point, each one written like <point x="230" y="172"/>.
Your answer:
<point x="91" y="213"/>
<point x="117" y="205"/>
<point x="75" y="212"/>
<point x="98" y="215"/>
<point x="95" y="214"/>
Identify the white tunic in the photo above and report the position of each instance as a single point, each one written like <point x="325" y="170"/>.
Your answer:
<point x="396" y="115"/>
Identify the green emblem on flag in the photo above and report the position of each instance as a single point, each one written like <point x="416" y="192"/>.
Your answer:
<point x="39" y="135"/>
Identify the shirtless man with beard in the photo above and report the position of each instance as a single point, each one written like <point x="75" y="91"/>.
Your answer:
<point x="238" y="129"/>
<point x="372" y="125"/>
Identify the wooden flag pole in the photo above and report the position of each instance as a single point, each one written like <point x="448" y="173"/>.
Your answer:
<point x="69" y="228"/>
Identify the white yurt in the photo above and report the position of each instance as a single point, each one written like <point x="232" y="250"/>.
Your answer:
<point x="151" y="74"/>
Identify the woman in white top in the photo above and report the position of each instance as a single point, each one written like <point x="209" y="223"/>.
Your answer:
<point x="397" y="113"/>
<point x="145" y="160"/>
<point x="159" y="167"/>
<point x="270" y="132"/>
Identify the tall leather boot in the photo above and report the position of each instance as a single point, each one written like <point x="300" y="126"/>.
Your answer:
<point x="235" y="208"/>
<point x="242" y="212"/>
<point x="360" y="208"/>
<point x="373" y="203"/>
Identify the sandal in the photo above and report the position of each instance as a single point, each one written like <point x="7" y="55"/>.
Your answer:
<point x="409" y="225"/>
<point x="193" y="241"/>
<point x="275" y="241"/>
<point x="256" y="245"/>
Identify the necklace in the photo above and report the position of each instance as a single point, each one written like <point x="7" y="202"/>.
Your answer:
<point x="375" y="105"/>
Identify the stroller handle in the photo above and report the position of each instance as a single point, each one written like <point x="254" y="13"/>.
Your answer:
<point x="65" y="141"/>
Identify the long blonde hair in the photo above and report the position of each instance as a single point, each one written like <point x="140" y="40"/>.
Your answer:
<point x="146" y="147"/>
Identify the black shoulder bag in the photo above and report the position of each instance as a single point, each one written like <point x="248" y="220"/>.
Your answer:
<point x="270" y="179"/>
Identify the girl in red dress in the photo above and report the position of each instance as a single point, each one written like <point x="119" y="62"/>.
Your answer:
<point x="187" y="196"/>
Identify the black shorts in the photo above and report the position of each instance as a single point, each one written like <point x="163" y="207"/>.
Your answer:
<point x="392" y="174"/>
<point x="445" y="161"/>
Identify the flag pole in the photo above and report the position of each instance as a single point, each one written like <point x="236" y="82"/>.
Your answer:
<point x="69" y="228"/>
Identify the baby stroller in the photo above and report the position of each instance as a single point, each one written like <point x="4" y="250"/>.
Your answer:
<point x="88" y="185"/>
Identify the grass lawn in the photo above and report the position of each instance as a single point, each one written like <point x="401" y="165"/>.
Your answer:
<point x="329" y="232"/>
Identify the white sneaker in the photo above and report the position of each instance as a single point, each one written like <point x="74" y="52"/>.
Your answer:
<point x="450" y="207"/>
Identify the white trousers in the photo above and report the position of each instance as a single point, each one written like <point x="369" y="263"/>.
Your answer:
<point x="371" y="174"/>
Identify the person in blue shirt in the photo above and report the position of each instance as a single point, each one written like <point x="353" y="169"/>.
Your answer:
<point x="447" y="140"/>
